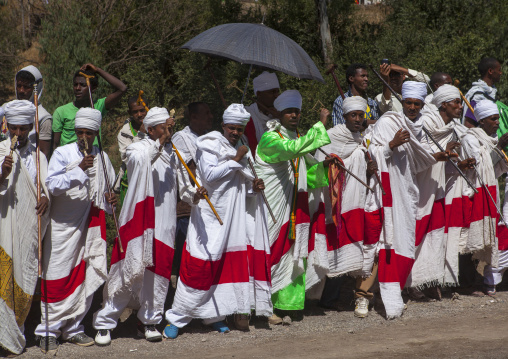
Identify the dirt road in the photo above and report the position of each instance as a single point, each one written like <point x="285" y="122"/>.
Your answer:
<point x="467" y="327"/>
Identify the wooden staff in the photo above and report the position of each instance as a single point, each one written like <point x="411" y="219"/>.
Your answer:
<point x="104" y="169"/>
<point x="142" y="102"/>
<point x="38" y="166"/>
<point x="456" y="84"/>
<point x="348" y="171"/>
<point x="251" y="165"/>
<point x="427" y="132"/>
<point x="331" y="71"/>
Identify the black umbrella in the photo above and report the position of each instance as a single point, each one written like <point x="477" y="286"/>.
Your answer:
<point x="256" y="44"/>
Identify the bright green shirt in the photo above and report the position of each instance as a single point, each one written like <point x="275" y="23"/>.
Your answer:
<point x="63" y="121"/>
<point x="273" y="149"/>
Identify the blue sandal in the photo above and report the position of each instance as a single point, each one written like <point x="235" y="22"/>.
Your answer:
<point x="170" y="332"/>
<point x="221" y="327"/>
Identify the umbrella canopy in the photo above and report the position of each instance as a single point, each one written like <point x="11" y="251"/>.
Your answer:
<point x="256" y="44"/>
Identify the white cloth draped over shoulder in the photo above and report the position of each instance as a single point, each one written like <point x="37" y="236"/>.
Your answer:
<point x="74" y="256"/>
<point x="429" y="266"/>
<point x="147" y="224"/>
<point x="287" y="256"/>
<point x="18" y="242"/>
<point x="482" y="235"/>
<point x="225" y="268"/>
<point x="398" y="169"/>
<point x="344" y="253"/>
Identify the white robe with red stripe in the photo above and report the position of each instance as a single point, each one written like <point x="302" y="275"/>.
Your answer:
<point x="483" y="217"/>
<point x="74" y="253"/>
<point x="429" y="266"/>
<point x="147" y="229"/>
<point x="344" y="252"/>
<point x="225" y="268"/>
<point x="400" y="206"/>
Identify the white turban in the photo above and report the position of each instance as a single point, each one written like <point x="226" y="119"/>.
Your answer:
<point x="2" y="112"/>
<point x="354" y="103"/>
<point x="89" y="118"/>
<point x="413" y="89"/>
<point x="20" y="112"/>
<point x="155" y="116"/>
<point x="288" y="99"/>
<point x="485" y="108"/>
<point x="445" y="93"/>
<point x="236" y="114"/>
<point x="265" y="81"/>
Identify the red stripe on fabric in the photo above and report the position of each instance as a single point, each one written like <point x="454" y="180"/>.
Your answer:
<point x="457" y="212"/>
<point x="259" y="264"/>
<point x="502" y="234"/>
<point x="233" y="267"/>
<point x="162" y="259"/>
<point x="394" y="268"/>
<point x="56" y="290"/>
<point x="387" y="198"/>
<point x="482" y="205"/>
<point x="250" y="133"/>
<point x="317" y="225"/>
<point x="98" y="218"/>
<point x="434" y="220"/>
<point x="352" y="231"/>
<point x="373" y="226"/>
<point x="143" y="219"/>
<point x="282" y="244"/>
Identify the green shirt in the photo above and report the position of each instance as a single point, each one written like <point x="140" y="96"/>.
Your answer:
<point x="63" y="121"/>
<point x="273" y="149"/>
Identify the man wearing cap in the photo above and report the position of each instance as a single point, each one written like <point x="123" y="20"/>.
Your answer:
<point x="437" y="254"/>
<point x="266" y="89"/>
<point x="225" y="268"/>
<point x="284" y="162"/>
<point x="24" y="85"/>
<point x="341" y="227"/>
<point x="483" y="144"/>
<point x="395" y="75"/>
<point x="139" y="277"/>
<point x="19" y="210"/>
<point x="74" y="253"/>
<point x="400" y="151"/>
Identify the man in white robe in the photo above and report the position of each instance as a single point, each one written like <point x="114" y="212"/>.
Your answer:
<point x="225" y="268"/>
<point x="483" y="144"/>
<point x="401" y="155"/>
<point x="74" y="253"/>
<point x="139" y="277"/>
<point x="434" y="237"/>
<point x="267" y="89"/>
<point x="342" y="229"/>
<point x="284" y="162"/>
<point x="18" y="223"/>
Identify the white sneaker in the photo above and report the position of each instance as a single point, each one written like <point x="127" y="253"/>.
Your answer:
<point x="103" y="337"/>
<point x="361" y="307"/>
<point x="149" y="332"/>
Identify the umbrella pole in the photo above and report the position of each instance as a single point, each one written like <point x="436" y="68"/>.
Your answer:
<point x="246" y="83"/>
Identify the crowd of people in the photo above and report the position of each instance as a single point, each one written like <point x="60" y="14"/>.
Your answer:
<point x="253" y="219"/>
